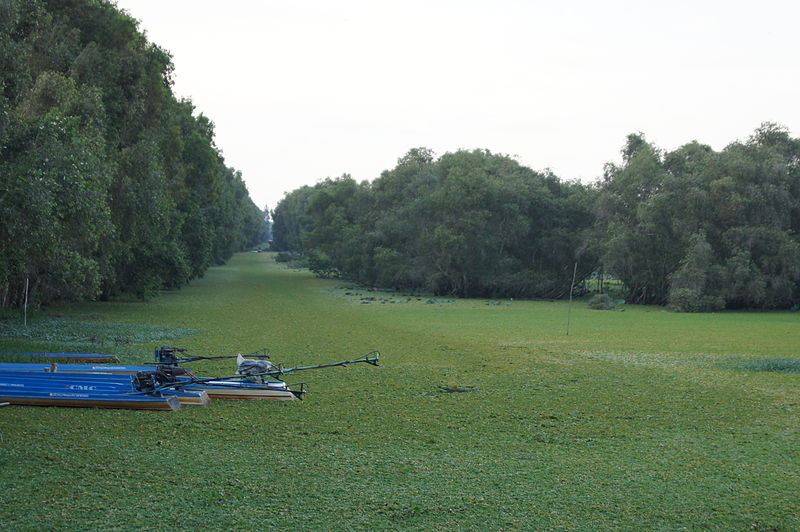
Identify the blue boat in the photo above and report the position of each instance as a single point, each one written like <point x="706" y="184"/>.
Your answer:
<point x="84" y="357"/>
<point x="73" y="368"/>
<point x="43" y="397"/>
<point x="251" y="381"/>
<point x="235" y="389"/>
<point x="219" y="389"/>
<point x="86" y="389"/>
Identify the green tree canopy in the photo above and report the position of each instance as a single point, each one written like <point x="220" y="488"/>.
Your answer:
<point x="108" y="184"/>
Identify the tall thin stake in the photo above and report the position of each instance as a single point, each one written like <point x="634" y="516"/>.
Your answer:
<point x="571" y="287"/>
<point x="25" y="306"/>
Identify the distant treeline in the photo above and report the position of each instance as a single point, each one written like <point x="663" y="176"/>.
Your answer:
<point x="108" y="184"/>
<point x="693" y="228"/>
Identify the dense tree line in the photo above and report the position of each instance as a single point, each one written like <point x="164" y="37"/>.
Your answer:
<point x="704" y="230"/>
<point x="692" y="228"/>
<point x="470" y="223"/>
<point x="108" y="184"/>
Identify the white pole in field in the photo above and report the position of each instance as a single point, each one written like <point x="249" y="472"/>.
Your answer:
<point x="25" y="306"/>
<point x="571" y="286"/>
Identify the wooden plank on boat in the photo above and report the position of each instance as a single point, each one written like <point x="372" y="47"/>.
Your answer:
<point x="274" y="391"/>
<point x="191" y="397"/>
<point x="219" y="392"/>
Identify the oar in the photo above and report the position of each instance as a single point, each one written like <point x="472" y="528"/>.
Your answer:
<point x="372" y="358"/>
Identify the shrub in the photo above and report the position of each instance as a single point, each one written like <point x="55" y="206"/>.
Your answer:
<point x="712" y="303"/>
<point x="688" y="300"/>
<point x="684" y="300"/>
<point x="287" y="256"/>
<point x="601" y="302"/>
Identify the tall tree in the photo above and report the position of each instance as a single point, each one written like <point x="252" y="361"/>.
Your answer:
<point x="108" y="184"/>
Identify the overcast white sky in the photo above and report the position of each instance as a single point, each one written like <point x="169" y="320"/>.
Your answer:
<point x="303" y="90"/>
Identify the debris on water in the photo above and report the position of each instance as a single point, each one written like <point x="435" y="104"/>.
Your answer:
<point x="441" y="389"/>
<point x="382" y="300"/>
<point x="457" y="389"/>
<point x="363" y="296"/>
<point x="775" y="365"/>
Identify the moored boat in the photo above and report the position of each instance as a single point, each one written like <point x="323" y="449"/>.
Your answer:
<point x="89" y="399"/>
<point x="219" y="389"/>
<point x="86" y="357"/>
<point x="76" y="368"/>
<point x="272" y="390"/>
<point x="87" y="389"/>
<point x="169" y="378"/>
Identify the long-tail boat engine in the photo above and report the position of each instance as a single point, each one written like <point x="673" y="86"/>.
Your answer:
<point x="253" y="370"/>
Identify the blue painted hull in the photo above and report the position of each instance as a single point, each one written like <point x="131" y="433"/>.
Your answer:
<point x="275" y="390"/>
<point x="14" y="386"/>
<point x="88" y="399"/>
<point x="87" y="357"/>
<point x="74" y="368"/>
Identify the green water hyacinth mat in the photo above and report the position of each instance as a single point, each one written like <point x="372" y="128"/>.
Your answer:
<point x="777" y="365"/>
<point x="68" y="333"/>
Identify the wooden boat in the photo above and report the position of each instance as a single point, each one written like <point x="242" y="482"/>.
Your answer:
<point x="65" y="389"/>
<point x="272" y="390"/>
<point x="76" y="368"/>
<point x="93" y="382"/>
<point x="89" y="399"/>
<point x="170" y="378"/>
<point x="84" y="357"/>
<point x="219" y="389"/>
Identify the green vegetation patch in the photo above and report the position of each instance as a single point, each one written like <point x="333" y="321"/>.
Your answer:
<point x="601" y="302"/>
<point x="480" y="417"/>
<point x="73" y="333"/>
<point x="61" y="187"/>
<point x="776" y="365"/>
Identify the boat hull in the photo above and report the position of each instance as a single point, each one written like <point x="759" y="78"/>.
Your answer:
<point x="88" y="400"/>
<point x="191" y="397"/>
<point x="105" y="375"/>
<point x="83" y="357"/>
<point x="76" y="368"/>
<point x="85" y="384"/>
<point x="270" y="391"/>
<point x="220" y="392"/>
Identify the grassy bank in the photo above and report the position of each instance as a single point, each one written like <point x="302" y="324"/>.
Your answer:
<point x="484" y="415"/>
